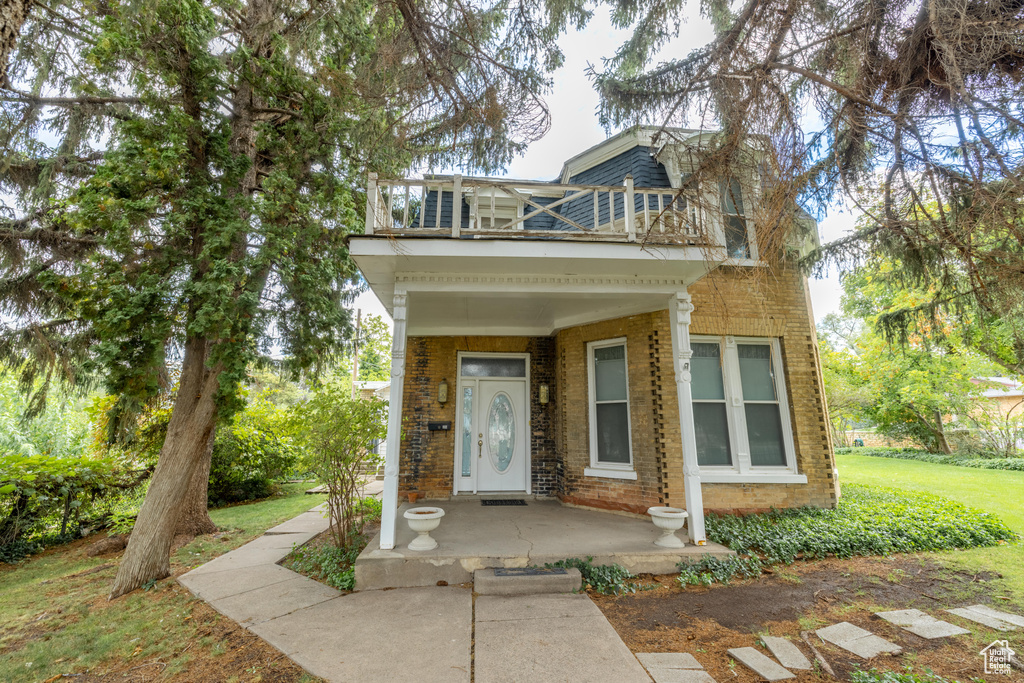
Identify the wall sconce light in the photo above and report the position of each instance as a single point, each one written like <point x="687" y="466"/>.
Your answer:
<point x="442" y="392"/>
<point x="544" y="394"/>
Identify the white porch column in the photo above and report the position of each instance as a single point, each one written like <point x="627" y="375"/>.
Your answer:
<point x="680" y="307"/>
<point x="389" y="512"/>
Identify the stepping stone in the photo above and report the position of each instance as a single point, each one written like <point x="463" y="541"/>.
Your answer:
<point x="921" y="624"/>
<point x="680" y="676"/>
<point x="993" y="618"/>
<point x="764" y="667"/>
<point x="674" y="667"/>
<point x="788" y="654"/>
<point x="856" y="640"/>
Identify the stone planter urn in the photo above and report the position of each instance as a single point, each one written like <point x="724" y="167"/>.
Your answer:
<point x="423" y="520"/>
<point x="669" y="520"/>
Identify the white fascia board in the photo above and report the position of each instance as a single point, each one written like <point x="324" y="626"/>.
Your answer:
<point x="610" y="148"/>
<point x="445" y="264"/>
<point x="518" y="248"/>
<point x="478" y="331"/>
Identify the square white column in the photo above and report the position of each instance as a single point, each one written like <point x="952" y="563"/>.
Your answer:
<point x="389" y="498"/>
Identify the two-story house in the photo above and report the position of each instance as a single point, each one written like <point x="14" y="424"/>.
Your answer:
<point x="564" y="339"/>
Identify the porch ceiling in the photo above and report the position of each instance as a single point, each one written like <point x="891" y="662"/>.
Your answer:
<point x="522" y="287"/>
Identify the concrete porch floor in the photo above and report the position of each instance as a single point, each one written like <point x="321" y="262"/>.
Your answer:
<point x="473" y="536"/>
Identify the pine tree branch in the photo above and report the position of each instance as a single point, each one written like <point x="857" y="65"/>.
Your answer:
<point x="29" y="98"/>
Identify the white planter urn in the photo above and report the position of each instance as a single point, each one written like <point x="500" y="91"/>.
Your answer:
<point x="423" y="520"/>
<point x="669" y="520"/>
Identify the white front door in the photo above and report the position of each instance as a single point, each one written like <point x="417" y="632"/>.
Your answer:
<point x="492" y="449"/>
<point x="501" y="436"/>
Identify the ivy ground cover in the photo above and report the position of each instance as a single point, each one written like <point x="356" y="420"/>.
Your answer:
<point x="996" y="491"/>
<point x="869" y="520"/>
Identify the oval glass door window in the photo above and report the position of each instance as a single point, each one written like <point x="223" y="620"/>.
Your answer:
<point x="501" y="431"/>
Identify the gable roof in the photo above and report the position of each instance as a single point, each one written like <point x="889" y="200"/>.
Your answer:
<point x="638" y="136"/>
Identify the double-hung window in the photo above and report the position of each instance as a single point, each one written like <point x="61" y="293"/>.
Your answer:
<point x="737" y="242"/>
<point x="740" y="413"/>
<point x="608" y="384"/>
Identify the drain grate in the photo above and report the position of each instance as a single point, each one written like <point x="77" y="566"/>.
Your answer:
<point x="529" y="571"/>
<point x="503" y="501"/>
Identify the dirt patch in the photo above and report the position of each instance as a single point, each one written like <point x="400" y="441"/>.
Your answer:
<point x="706" y="622"/>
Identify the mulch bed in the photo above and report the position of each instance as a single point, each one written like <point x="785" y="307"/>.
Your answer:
<point x="708" y="621"/>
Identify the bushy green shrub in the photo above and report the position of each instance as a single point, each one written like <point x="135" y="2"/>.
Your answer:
<point x="335" y="565"/>
<point x="868" y="521"/>
<point x="44" y="499"/>
<point x="337" y="433"/>
<point x="250" y="453"/>
<point x="989" y="462"/>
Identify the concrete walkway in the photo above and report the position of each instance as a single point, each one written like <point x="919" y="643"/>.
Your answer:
<point x="424" y="634"/>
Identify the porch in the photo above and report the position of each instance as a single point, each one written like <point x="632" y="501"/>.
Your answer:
<point x="474" y="536"/>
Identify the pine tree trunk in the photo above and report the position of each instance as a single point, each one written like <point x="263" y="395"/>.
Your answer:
<point x="12" y="17"/>
<point x="188" y="435"/>
<point x="194" y="518"/>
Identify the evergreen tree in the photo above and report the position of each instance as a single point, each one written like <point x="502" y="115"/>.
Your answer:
<point x="185" y="173"/>
<point x="917" y="111"/>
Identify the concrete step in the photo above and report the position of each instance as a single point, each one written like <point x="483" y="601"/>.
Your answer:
<point x="526" y="581"/>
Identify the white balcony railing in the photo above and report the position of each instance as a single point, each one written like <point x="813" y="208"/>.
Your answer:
<point x="532" y="209"/>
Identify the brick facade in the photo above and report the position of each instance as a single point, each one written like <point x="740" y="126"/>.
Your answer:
<point x="427" y="464"/>
<point x="726" y="303"/>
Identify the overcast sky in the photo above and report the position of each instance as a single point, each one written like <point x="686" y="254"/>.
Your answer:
<point x="575" y="127"/>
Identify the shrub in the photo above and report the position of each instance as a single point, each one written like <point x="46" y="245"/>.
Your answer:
<point x="250" y="453"/>
<point x="606" y="579"/>
<point x="327" y="563"/>
<point x="990" y="462"/>
<point x="337" y="434"/>
<point x="44" y="499"/>
<point x="868" y="521"/>
<point x="332" y="564"/>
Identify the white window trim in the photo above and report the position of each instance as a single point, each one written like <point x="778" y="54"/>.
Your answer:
<point x="742" y="470"/>
<point x="607" y="469"/>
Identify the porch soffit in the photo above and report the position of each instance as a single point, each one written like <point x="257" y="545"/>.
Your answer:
<point x="521" y="287"/>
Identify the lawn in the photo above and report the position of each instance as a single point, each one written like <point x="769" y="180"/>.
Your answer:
<point x="55" y="618"/>
<point x="997" y="491"/>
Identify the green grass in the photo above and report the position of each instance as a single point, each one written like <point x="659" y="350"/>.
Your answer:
<point x="246" y="521"/>
<point x="54" y="616"/>
<point x="996" y="491"/>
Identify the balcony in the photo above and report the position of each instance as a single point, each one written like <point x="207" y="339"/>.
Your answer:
<point x="504" y="209"/>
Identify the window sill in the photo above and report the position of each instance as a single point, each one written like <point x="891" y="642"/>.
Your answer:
<point x="752" y="478"/>
<point x="745" y="262"/>
<point x="609" y="473"/>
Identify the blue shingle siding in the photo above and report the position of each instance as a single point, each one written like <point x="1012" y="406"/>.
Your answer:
<point x="542" y="221"/>
<point x="646" y="172"/>
<point x="430" y="211"/>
